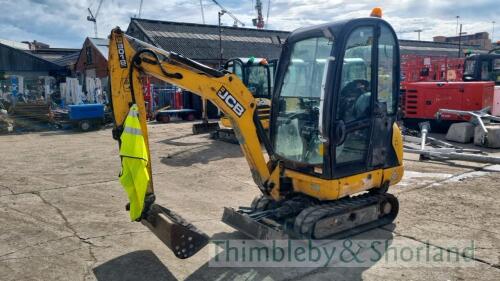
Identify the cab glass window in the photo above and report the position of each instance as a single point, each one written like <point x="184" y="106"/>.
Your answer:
<point x="297" y="137"/>
<point x="257" y="80"/>
<point x="238" y="70"/>
<point x="386" y="96"/>
<point x="354" y="101"/>
<point x="354" y="98"/>
<point x="485" y="71"/>
<point x="470" y="66"/>
<point x="496" y="70"/>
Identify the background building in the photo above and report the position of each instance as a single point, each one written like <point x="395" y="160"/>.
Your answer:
<point x="92" y="60"/>
<point x="14" y="61"/>
<point x="434" y="48"/>
<point x="201" y="41"/>
<point x="23" y="73"/>
<point x="480" y="39"/>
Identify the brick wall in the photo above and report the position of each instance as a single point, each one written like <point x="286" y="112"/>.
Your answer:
<point x="97" y="63"/>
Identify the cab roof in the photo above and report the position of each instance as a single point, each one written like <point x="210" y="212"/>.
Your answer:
<point x="335" y="29"/>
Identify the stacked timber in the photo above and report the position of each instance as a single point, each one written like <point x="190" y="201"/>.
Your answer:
<point x="30" y="116"/>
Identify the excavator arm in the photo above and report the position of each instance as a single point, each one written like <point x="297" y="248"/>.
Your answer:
<point x="129" y="58"/>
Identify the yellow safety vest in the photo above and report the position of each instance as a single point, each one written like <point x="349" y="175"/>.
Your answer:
<point x="134" y="176"/>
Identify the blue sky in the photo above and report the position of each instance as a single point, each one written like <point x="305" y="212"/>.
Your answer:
<point x="62" y="23"/>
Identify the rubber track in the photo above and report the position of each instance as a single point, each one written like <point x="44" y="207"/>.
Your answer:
<point x="306" y="220"/>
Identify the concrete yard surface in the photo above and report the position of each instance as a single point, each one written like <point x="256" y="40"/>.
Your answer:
<point x="62" y="212"/>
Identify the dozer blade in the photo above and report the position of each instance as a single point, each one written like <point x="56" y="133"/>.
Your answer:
<point x="183" y="238"/>
<point x="251" y="227"/>
<point x="205" y="127"/>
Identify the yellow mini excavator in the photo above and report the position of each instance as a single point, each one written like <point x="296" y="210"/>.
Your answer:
<point x="333" y="147"/>
<point x="257" y="75"/>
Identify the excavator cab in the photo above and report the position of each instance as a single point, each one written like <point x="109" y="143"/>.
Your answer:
<point x="333" y="148"/>
<point x="482" y="67"/>
<point x="257" y="74"/>
<point x="333" y="135"/>
<point x="336" y="98"/>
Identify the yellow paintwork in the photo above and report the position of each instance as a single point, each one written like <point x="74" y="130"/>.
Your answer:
<point x="275" y="179"/>
<point x="225" y="122"/>
<point x="397" y="142"/>
<point x="314" y="186"/>
<point x="394" y="174"/>
<point x="243" y="125"/>
<point x="334" y="189"/>
<point x="121" y="95"/>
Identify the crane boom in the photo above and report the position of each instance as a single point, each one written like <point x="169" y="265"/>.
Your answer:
<point x="268" y="10"/>
<point x="140" y="9"/>
<point x="259" y="21"/>
<point x="202" y="12"/>
<point x="98" y="9"/>
<point x="93" y="16"/>
<point x="236" y="20"/>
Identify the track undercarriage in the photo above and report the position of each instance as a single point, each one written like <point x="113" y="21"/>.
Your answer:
<point x="306" y="218"/>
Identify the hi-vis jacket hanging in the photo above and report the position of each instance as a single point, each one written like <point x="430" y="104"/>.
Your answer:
<point x="134" y="175"/>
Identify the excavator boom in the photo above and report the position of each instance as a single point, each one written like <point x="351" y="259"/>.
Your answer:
<point x="130" y="58"/>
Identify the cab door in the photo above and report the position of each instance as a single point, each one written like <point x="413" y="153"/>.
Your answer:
<point x="385" y="109"/>
<point x="352" y="111"/>
<point x="366" y="100"/>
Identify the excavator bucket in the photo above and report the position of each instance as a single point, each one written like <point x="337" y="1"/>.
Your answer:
<point x="183" y="238"/>
<point x="205" y="127"/>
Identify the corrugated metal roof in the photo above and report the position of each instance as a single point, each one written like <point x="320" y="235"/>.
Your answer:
<point x="12" y="59"/>
<point x="430" y="48"/>
<point x="67" y="60"/>
<point x="53" y="54"/>
<point x="432" y="44"/>
<point x="15" y="44"/>
<point x="249" y="39"/>
<point x="201" y="42"/>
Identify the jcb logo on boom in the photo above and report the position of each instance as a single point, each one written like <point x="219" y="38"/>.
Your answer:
<point x="231" y="101"/>
<point x="121" y="52"/>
